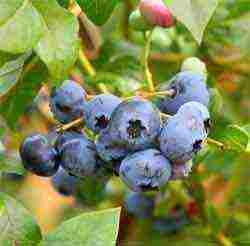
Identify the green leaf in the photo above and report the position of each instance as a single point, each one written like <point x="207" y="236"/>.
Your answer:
<point x="214" y="219"/>
<point x="63" y="3"/>
<point x="21" y="26"/>
<point x="247" y="128"/>
<point x="194" y="14"/>
<point x="10" y="164"/>
<point x="98" y="228"/>
<point x="17" y="226"/>
<point x="10" y="73"/>
<point x="23" y="93"/>
<point x="236" y="138"/>
<point x="58" y="48"/>
<point x="98" y="11"/>
<point x="216" y="101"/>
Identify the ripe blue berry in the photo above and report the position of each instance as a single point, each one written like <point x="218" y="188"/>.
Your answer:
<point x="145" y="170"/>
<point x="181" y="138"/>
<point x="98" y="111"/>
<point x="38" y="156"/>
<point x="139" y="205"/>
<point x="77" y="155"/>
<point x="64" y="183"/>
<point x="108" y="150"/>
<point x="68" y="101"/>
<point x="188" y="86"/>
<point x="197" y="112"/>
<point x="135" y="124"/>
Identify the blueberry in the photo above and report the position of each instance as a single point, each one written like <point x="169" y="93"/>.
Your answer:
<point x="195" y="65"/>
<point x="135" y="124"/>
<point x="140" y="205"/>
<point x="194" y="111"/>
<point x="108" y="150"/>
<point x="98" y="111"/>
<point x="38" y="156"/>
<point x="78" y="155"/>
<point x="180" y="171"/>
<point x="181" y="138"/>
<point x="64" y="183"/>
<point x="145" y="170"/>
<point x="156" y="13"/>
<point x="68" y="101"/>
<point x="188" y="86"/>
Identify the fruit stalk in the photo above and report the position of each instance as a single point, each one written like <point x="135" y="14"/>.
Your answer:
<point x="145" y="57"/>
<point x="69" y="125"/>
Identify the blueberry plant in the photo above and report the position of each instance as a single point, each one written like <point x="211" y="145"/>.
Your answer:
<point x="136" y="104"/>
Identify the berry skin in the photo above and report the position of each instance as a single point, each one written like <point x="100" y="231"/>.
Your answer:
<point x="98" y="111"/>
<point x="77" y="155"/>
<point x="138" y="22"/>
<point x="107" y="150"/>
<point x="139" y="205"/>
<point x="194" y="64"/>
<point x="181" y="138"/>
<point x="135" y="124"/>
<point x="189" y="86"/>
<point x="145" y="170"/>
<point x="180" y="171"/>
<point x="64" y="183"/>
<point x="38" y="156"/>
<point x="156" y="13"/>
<point x="68" y="101"/>
<point x="196" y="111"/>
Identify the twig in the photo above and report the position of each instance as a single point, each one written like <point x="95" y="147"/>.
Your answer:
<point x="70" y="125"/>
<point x="216" y="143"/>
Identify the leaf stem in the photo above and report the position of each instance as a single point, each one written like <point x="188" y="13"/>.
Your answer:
<point x="216" y="143"/>
<point x="86" y="64"/>
<point x="145" y="58"/>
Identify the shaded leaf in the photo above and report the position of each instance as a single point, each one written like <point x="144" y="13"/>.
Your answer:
<point x="10" y="73"/>
<point x="194" y="14"/>
<point x="63" y="3"/>
<point x="58" y="48"/>
<point x="23" y="94"/>
<point x="17" y="226"/>
<point x="98" y="11"/>
<point x="97" y="228"/>
<point x="216" y="101"/>
<point x="20" y="25"/>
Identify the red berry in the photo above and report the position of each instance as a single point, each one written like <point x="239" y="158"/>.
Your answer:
<point x="156" y="13"/>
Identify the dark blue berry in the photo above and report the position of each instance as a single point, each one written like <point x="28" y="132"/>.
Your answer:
<point x="68" y="101"/>
<point x="98" y="111"/>
<point x="38" y="156"/>
<point x="135" y="124"/>
<point x="145" y="170"/>
<point x="64" y="183"/>
<point x="140" y="205"/>
<point x="188" y="86"/>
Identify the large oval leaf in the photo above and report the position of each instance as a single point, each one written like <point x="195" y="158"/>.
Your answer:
<point x="98" y="11"/>
<point x="98" y="228"/>
<point x="59" y="45"/>
<point x="17" y="226"/>
<point x="21" y="26"/>
<point x="194" y="14"/>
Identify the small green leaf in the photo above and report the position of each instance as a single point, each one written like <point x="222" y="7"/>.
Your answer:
<point x="10" y="73"/>
<point x="58" y="48"/>
<point x="17" y="226"/>
<point x="21" y="26"/>
<point x="9" y="164"/>
<point x="216" y="101"/>
<point x="23" y="94"/>
<point x="194" y="14"/>
<point x="97" y="228"/>
<point x="98" y="11"/>
<point x="236" y="138"/>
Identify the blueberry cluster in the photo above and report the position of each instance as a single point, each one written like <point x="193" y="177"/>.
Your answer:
<point x="131" y="138"/>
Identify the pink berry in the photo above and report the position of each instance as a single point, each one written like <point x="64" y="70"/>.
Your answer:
<point x="156" y="13"/>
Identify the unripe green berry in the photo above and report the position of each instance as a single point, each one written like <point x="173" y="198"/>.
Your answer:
<point x="137" y="22"/>
<point x="194" y="64"/>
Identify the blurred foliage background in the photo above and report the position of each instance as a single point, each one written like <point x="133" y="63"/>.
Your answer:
<point x="212" y="206"/>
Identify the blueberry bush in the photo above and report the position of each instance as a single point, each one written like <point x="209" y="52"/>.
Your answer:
<point x="124" y="122"/>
